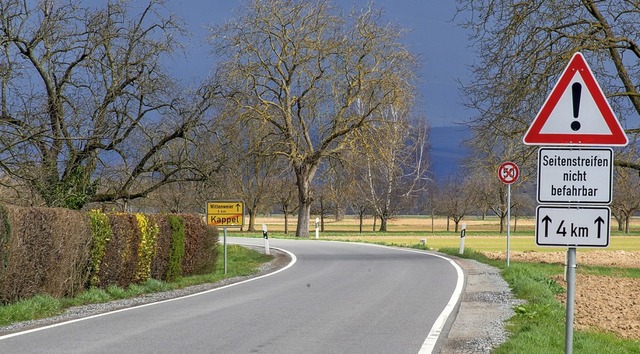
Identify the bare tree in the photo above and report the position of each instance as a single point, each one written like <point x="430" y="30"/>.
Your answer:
<point x="395" y="165"/>
<point x="525" y="45"/>
<point x="626" y="196"/>
<point x="455" y="199"/>
<point x="87" y="111"/>
<point x="251" y="168"/>
<point x="285" y="195"/>
<point x="302" y="67"/>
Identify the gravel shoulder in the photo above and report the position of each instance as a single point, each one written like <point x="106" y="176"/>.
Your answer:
<point x="486" y="303"/>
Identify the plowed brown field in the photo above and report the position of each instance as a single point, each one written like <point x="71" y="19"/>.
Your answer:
<point x="603" y="303"/>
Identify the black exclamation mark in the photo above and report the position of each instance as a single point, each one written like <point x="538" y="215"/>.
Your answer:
<point x="576" y="89"/>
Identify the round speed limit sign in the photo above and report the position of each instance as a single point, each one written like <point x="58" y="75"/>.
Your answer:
<point x="508" y="172"/>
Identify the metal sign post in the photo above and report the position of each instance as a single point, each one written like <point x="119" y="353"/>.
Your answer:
<point x="224" y="244"/>
<point x="508" y="223"/>
<point x="508" y="173"/>
<point x="571" y="294"/>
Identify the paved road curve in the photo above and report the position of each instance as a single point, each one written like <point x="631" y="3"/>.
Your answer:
<point x="336" y="298"/>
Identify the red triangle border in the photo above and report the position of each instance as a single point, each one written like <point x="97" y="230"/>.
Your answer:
<point x="617" y="136"/>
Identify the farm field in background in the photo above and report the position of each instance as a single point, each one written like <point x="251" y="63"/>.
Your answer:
<point x="481" y="235"/>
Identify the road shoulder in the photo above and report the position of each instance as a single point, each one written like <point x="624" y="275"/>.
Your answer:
<point x="487" y="302"/>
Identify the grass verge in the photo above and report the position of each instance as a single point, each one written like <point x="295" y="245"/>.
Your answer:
<point x="240" y="262"/>
<point x="538" y="326"/>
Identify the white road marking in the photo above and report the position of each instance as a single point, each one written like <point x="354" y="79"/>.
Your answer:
<point x="293" y="261"/>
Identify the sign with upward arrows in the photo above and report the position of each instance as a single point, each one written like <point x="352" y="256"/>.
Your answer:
<point x="572" y="227"/>
<point x="576" y="112"/>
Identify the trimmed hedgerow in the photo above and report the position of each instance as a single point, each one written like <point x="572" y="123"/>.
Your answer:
<point x="176" y="251"/>
<point x="60" y="252"/>
<point x="147" y="247"/>
<point x="160" y="262"/>
<point x="48" y="253"/>
<point x="100" y="236"/>
<point x="200" y="245"/>
<point x="5" y="240"/>
<point x="121" y="257"/>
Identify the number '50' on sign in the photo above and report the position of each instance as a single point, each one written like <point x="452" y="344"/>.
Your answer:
<point x="508" y="172"/>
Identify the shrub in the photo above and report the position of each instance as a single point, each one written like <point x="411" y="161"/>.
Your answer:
<point x="200" y="246"/>
<point x="5" y="240"/>
<point x="101" y="235"/>
<point x="121" y="256"/>
<point x="48" y="253"/>
<point x="160" y="263"/>
<point x="176" y="250"/>
<point x="146" y="248"/>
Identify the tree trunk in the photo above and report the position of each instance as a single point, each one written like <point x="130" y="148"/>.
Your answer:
<point x="620" y="222"/>
<point x="626" y="223"/>
<point x="304" y="212"/>
<point x="252" y="219"/>
<point x="304" y="175"/>
<point x="383" y="223"/>
<point x="285" y="210"/>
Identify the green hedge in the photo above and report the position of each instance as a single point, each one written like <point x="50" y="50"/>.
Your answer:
<point x="60" y="252"/>
<point x="176" y="250"/>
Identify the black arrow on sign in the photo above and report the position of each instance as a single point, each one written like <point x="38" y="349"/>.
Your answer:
<point x="546" y="220"/>
<point x="599" y="221"/>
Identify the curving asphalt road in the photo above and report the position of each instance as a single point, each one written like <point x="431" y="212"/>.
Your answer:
<point x="336" y="298"/>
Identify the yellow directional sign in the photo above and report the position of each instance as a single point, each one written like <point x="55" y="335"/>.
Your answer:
<point x="225" y="213"/>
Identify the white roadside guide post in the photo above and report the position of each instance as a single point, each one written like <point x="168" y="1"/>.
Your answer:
<point x="574" y="183"/>
<point x="265" y="235"/>
<point x="463" y="233"/>
<point x="225" y="213"/>
<point x="317" y="228"/>
<point x="508" y="173"/>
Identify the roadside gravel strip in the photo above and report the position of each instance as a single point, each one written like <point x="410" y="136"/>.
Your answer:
<point x="487" y="302"/>
<point x="477" y="328"/>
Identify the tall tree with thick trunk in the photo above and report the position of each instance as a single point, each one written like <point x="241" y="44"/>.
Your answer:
<point x="302" y="67"/>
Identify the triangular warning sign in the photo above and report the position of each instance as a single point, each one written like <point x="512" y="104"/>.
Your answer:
<point x="576" y="112"/>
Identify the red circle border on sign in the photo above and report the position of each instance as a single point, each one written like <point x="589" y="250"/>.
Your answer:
<point x="508" y="172"/>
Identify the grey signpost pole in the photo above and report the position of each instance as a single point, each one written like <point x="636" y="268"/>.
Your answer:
<point x="571" y="292"/>
<point x="508" y="223"/>
<point x="508" y="174"/>
<point x="224" y="242"/>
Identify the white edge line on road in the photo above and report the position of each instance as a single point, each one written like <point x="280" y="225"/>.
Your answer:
<point x="430" y="342"/>
<point x="432" y="338"/>
<point x="293" y="261"/>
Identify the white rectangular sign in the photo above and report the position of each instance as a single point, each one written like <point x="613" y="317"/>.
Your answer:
<point x="584" y="226"/>
<point x="575" y="176"/>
